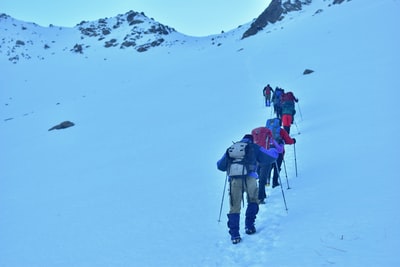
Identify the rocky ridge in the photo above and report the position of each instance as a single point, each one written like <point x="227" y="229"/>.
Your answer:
<point x="130" y="31"/>
<point x="276" y="11"/>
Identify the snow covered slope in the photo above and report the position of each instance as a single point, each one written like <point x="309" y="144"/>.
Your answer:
<point x="134" y="182"/>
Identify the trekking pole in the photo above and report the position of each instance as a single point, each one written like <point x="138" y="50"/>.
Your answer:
<point x="287" y="180"/>
<point x="295" y="160"/>
<point x="283" y="194"/>
<point x="301" y="115"/>
<point x="222" y="201"/>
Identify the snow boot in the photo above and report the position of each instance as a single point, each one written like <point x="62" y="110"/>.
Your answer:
<point x="251" y="212"/>
<point x="233" y="225"/>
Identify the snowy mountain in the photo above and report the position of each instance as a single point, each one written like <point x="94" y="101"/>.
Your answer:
<point x="131" y="31"/>
<point x="134" y="181"/>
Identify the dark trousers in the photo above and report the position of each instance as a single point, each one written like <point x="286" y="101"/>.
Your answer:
<point x="264" y="173"/>
<point x="278" y="111"/>
<point x="279" y="161"/>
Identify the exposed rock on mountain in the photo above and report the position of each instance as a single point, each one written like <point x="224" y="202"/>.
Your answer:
<point x="273" y="13"/>
<point x="132" y="30"/>
<point x="338" y="1"/>
<point x="62" y="125"/>
<point x="307" y="71"/>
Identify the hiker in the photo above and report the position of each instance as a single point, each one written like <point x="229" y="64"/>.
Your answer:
<point x="240" y="161"/>
<point x="276" y="99"/>
<point x="282" y="137"/>
<point x="262" y="135"/>
<point x="267" y="95"/>
<point x="288" y="110"/>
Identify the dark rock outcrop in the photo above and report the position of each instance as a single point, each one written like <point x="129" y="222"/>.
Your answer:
<point x="63" y="125"/>
<point x="338" y="2"/>
<point x="273" y="13"/>
<point x="307" y="71"/>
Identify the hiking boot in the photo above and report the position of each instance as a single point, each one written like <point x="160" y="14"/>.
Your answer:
<point x="236" y="240"/>
<point x="250" y="231"/>
<point x="275" y="185"/>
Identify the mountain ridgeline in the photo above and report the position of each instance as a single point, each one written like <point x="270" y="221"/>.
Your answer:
<point x="276" y="11"/>
<point x="132" y="30"/>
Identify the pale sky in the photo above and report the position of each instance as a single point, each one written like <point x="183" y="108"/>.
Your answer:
<point x="194" y="17"/>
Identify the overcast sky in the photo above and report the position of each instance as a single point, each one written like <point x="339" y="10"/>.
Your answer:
<point x="195" y="17"/>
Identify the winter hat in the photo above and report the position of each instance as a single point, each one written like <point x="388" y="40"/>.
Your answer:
<point x="249" y="137"/>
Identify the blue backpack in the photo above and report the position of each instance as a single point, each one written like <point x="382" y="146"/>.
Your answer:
<point x="275" y="126"/>
<point x="277" y="96"/>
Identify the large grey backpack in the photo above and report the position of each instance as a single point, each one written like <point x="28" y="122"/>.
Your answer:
<point x="240" y="162"/>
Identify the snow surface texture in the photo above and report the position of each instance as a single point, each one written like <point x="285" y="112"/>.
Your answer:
<point x="134" y="182"/>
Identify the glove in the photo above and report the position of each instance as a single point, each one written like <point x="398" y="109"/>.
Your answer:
<point x="294" y="140"/>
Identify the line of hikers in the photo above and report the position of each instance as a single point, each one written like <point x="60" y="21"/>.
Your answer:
<point x="254" y="158"/>
<point x="283" y="103"/>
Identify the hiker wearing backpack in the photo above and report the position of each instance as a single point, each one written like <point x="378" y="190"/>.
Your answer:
<point x="261" y="136"/>
<point x="288" y="110"/>
<point x="267" y="91"/>
<point x="240" y="161"/>
<point x="282" y="137"/>
<point x="276" y="99"/>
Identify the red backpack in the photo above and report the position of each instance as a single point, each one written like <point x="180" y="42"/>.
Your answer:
<point x="260" y="136"/>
